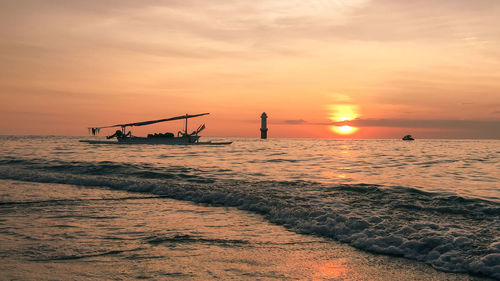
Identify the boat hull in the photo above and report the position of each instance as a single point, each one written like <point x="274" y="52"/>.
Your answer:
<point x="168" y="141"/>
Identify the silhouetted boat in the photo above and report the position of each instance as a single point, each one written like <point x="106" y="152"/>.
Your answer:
<point x="408" y="138"/>
<point x="183" y="137"/>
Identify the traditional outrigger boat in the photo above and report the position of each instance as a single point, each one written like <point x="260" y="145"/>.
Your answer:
<point x="183" y="137"/>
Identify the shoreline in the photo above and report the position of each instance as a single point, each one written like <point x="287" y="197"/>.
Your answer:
<point x="133" y="236"/>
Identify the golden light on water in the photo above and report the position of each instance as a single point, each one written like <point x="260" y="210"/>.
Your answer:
<point x="331" y="270"/>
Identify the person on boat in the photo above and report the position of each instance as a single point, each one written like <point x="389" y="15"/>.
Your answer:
<point x="119" y="135"/>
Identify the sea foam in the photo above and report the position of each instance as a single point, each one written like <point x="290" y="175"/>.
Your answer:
<point x="447" y="231"/>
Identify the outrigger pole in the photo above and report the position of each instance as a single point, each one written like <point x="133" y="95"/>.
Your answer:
<point x="95" y="130"/>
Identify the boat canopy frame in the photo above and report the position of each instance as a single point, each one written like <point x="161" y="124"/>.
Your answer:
<point x="95" y="130"/>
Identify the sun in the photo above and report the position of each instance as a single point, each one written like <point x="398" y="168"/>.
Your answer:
<point x="340" y="113"/>
<point x="343" y="130"/>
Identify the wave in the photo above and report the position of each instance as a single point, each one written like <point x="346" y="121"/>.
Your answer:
<point x="185" y="238"/>
<point x="449" y="232"/>
<point x="71" y="201"/>
<point x="88" y="255"/>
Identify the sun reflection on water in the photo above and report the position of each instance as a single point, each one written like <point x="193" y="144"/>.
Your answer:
<point x="330" y="270"/>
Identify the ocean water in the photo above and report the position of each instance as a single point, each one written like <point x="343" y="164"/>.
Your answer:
<point x="432" y="201"/>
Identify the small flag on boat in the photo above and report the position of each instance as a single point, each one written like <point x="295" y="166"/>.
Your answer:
<point x="94" y="131"/>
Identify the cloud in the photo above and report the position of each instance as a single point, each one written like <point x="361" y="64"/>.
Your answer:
<point x="270" y="26"/>
<point x="395" y="20"/>
<point x="295" y="122"/>
<point x="387" y="56"/>
<point x="428" y="124"/>
<point x="275" y="20"/>
<point x="474" y="128"/>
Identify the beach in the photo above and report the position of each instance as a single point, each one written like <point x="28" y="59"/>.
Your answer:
<point x="250" y="140"/>
<point x="251" y="210"/>
<point x="100" y="234"/>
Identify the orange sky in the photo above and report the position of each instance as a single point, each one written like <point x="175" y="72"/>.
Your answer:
<point x="386" y="67"/>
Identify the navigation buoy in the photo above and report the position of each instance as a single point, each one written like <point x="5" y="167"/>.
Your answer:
<point x="263" y="126"/>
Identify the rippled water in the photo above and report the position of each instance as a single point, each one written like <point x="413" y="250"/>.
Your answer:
<point x="64" y="232"/>
<point x="469" y="168"/>
<point x="436" y="201"/>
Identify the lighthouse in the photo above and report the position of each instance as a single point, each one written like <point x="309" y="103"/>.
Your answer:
<point x="263" y="126"/>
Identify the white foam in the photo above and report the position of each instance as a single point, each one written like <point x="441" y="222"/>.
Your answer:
<point x="438" y="232"/>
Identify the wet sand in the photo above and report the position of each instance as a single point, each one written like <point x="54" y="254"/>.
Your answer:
<point x="63" y="232"/>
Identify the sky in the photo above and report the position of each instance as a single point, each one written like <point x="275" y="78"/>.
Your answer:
<point x="318" y="68"/>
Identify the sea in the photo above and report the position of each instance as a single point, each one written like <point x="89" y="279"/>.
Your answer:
<point x="275" y="209"/>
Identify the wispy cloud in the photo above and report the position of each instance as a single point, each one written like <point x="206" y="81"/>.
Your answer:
<point x="406" y="123"/>
<point x="294" y="121"/>
<point x="427" y="59"/>
<point x="435" y="124"/>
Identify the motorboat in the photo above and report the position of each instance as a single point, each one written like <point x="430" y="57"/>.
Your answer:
<point x="408" y="138"/>
<point x="182" y="137"/>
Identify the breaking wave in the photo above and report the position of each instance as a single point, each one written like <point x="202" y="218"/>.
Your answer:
<point x="449" y="232"/>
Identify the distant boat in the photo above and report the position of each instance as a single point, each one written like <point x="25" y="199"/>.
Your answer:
<point x="183" y="137"/>
<point x="408" y="138"/>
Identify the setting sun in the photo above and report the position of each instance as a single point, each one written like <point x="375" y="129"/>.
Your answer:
<point x="344" y="130"/>
<point x="342" y="113"/>
<point x="270" y="139"/>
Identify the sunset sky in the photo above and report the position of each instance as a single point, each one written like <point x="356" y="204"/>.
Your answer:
<point x="386" y="67"/>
